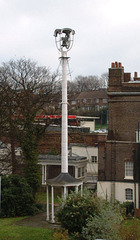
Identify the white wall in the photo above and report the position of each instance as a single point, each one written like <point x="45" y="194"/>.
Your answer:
<point x="90" y="124"/>
<point x="104" y="190"/>
<point x="87" y="152"/>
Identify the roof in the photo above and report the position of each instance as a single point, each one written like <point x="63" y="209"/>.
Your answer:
<point x="58" y="157"/>
<point x="78" y="144"/>
<point x="93" y="94"/>
<point x="64" y="179"/>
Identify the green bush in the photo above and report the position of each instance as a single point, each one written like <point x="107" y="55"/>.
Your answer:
<point x="105" y="225"/>
<point x="17" y="198"/>
<point x="76" y="209"/>
<point x="89" y="217"/>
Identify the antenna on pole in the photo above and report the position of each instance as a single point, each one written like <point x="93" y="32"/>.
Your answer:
<point x="64" y="41"/>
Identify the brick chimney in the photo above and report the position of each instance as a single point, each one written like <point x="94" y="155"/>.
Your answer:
<point x="136" y="78"/>
<point x="116" y="76"/>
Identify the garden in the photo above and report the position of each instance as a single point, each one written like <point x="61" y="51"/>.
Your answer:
<point x="81" y="216"/>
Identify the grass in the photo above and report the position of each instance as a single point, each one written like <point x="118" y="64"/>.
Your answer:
<point x="130" y="229"/>
<point x="10" y="231"/>
<point x="100" y="126"/>
<point x="41" y="198"/>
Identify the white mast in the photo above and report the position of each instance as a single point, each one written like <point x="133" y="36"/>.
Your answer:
<point x="64" y="41"/>
<point x="64" y="134"/>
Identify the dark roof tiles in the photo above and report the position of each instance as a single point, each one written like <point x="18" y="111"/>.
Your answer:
<point x="93" y="94"/>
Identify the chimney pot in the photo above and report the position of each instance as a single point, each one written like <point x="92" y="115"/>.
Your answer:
<point x="120" y="65"/>
<point x="112" y="65"/>
<point x="135" y="74"/>
<point x="116" y="64"/>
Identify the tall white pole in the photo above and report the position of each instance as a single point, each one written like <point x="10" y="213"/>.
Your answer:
<point x="64" y="133"/>
<point x="64" y="41"/>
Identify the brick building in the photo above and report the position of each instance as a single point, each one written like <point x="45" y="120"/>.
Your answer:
<point x="83" y="155"/>
<point x="119" y="161"/>
<point x="90" y="101"/>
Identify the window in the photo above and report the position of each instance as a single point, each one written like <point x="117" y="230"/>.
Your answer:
<point x="88" y="108"/>
<point x="138" y="136"/>
<point x="97" y="100"/>
<point x="94" y="159"/>
<point x="129" y="170"/>
<point x="81" y="172"/>
<point x="96" y="107"/>
<point x="129" y="194"/>
<point x="84" y="100"/>
<point x="104" y="100"/>
<point x="83" y="108"/>
<point x="73" y="102"/>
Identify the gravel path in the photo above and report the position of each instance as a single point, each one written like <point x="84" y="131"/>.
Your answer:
<point x="38" y="220"/>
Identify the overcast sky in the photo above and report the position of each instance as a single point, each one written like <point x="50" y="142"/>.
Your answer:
<point x="106" y="31"/>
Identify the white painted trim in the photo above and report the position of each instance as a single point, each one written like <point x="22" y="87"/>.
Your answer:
<point x="129" y="178"/>
<point x="52" y="193"/>
<point x="47" y="203"/>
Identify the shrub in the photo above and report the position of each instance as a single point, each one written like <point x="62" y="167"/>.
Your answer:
<point x="76" y="209"/>
<point x="104" y="225"/>
<point x="61" y="234"/>
<point x="17" y="198"/>
<point x="89" y="217"/>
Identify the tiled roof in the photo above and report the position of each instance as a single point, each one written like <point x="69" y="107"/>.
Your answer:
<point x="63" y="179"/>
<point x="93" y="94"/>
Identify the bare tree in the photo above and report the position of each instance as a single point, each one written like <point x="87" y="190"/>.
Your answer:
<point x="27" y="90"/>
<point x="93" y="83"/>
<point x="87" y="83"/>
<point x="104" y="80"/>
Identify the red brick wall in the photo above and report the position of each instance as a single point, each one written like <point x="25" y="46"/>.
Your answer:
<point x="124" y="115"/>
<point x="52" y="140"/>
